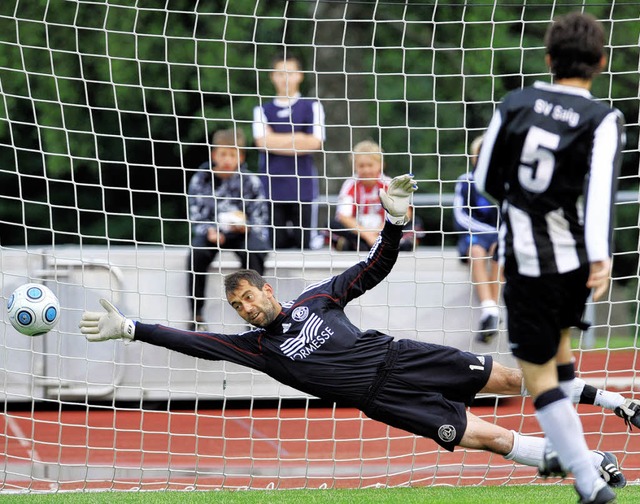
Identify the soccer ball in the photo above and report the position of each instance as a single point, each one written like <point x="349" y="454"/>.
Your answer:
<point x="33" y="309"/>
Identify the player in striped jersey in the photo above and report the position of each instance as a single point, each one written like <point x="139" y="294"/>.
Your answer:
<point x="550" y="158"/>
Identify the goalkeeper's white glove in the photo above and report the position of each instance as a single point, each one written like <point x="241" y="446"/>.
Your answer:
<point x="395" y="200"/>
<point x="101" y="326"/>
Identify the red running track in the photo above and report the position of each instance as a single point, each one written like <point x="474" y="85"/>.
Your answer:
<point x="279" y="448"/>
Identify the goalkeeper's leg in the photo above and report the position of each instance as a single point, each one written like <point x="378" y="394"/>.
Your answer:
<point x="530" y="450"/>
<point x="625" y="408"/>
<point x="508" y="381"/>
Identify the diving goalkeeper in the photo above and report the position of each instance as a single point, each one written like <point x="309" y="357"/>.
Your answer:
<point x="310" y="344"/>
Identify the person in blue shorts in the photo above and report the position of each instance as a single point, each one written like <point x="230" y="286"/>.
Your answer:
<point x="476" y="219"/>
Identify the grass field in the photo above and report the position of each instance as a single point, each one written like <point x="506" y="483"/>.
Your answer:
<point x="608" y="343"/>
<point x="432" y="495"/>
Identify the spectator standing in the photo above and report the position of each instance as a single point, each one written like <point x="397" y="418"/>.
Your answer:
<point x="228" y="210"/>
<point x="288" y="130"/>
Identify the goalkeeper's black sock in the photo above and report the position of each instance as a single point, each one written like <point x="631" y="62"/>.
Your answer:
<point x="588" y="395"/>
<point x="603" y="398"/>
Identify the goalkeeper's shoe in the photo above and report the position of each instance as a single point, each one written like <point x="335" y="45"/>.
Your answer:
<point x="601" y="494"/>
<point x="610" y="471"/>
<point x="550" y="466"/>
<point x="629" y="411"/>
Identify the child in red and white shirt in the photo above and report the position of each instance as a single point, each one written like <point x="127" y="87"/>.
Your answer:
<point x="359" y="215"/>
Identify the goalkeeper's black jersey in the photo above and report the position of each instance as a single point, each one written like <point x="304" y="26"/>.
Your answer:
<point x="551" y="157"/>
<point x="311" y="346"/>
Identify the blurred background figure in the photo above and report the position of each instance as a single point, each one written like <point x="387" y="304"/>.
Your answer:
<point x="288" y="130"/>
<point x="476" y="218"/>
<point x="227" y="210"/>
<point x="359" y="215"/>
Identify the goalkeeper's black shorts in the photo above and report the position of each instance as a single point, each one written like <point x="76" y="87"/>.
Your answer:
<point x="425" y="389"/>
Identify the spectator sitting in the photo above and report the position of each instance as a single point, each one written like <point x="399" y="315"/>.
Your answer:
<point x="227" y="209"/>
<point x="359" y="215"/>
<point x="477" y="220"/>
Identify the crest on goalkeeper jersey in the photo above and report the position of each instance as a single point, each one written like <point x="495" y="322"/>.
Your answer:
<point x="300" y="314"/>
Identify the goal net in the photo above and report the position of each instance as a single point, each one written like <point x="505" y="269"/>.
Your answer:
<point x="107" y="110"/>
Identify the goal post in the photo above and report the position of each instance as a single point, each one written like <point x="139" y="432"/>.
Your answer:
<point x="107" y="109"/>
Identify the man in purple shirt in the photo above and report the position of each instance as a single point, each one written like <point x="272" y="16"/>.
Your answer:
<point x="288" y="130"/>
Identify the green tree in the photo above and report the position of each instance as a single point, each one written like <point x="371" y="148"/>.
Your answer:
<point x="108" y="107"/>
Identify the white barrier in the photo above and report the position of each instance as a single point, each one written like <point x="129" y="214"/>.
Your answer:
<point x="427" y="296"/>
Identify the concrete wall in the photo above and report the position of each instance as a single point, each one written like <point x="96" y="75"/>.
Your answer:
<point x="428" y="297"/>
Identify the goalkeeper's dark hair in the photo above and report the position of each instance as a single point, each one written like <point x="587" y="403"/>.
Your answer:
<point x="232" y="280"/>
<point x="575" y="45"/>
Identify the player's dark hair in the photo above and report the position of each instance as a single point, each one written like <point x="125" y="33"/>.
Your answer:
<point x="575" y="45"/>
<point x="232" y="280"/>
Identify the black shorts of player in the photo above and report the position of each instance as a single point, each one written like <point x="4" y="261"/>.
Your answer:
<point x="539" y="308"/>
<point x="427" y="388"/>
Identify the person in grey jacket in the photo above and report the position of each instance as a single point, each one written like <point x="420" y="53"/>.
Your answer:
<point x="227" y="210"/>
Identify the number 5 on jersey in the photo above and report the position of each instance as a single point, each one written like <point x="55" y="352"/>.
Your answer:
<point x="537" y="160"/>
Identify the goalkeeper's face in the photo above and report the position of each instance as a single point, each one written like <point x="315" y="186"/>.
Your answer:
<point x="257" y="306"/>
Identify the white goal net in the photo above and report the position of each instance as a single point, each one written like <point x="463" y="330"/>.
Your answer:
<point x="107" y="109"/>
